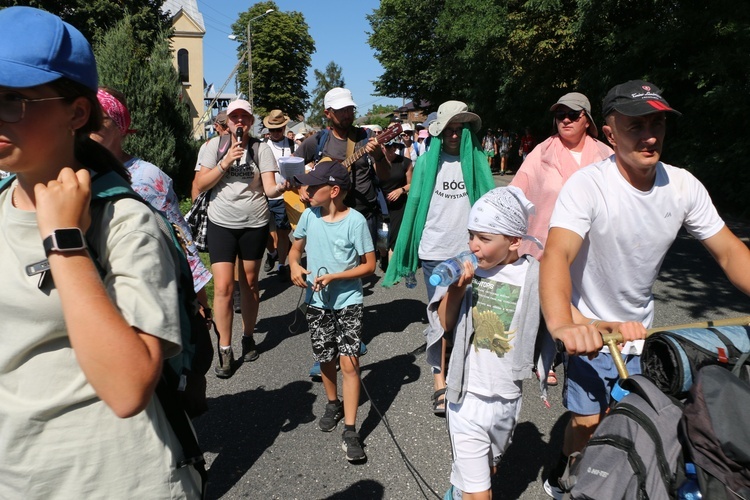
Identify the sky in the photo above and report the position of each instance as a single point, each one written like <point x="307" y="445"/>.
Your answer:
<point x="338" y="27"/>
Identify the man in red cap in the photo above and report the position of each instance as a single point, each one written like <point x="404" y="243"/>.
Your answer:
<point x="610" y="231"/>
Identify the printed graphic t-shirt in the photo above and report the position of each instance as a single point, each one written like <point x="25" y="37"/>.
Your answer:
<point x="496" y="296"/>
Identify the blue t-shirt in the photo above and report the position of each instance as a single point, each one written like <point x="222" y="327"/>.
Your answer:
<point x="333" y="247"/>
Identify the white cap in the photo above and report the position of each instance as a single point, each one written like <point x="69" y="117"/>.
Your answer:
<point x="338" y="98"/>
<point x="299" y="137"/>
<point x="407" y="127"/>
<point x="239" y="104"/>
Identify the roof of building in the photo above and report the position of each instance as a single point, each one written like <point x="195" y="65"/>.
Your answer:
<point x="189" y="7"/>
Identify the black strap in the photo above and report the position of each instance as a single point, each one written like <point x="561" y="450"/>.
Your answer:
<point x="178" y="419"/>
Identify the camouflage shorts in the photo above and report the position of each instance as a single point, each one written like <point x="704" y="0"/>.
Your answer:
<point x="335" y="333"/>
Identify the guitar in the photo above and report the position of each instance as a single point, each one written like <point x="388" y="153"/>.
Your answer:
<point x="292" y="201"/>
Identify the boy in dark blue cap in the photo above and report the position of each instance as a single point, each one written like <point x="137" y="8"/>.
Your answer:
<point x="339" y="253"/>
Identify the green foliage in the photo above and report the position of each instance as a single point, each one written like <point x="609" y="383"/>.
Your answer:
<point x="324" y="81"/>
<point x="95" y="17"/>
<point x="379" y="115"/>
<point x="154" y="96"/>
<point x="281" y="53"/>
<point x="511" y="59"/>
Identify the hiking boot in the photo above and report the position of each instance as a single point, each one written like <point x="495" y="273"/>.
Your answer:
<point x="226" y="363"/>
<point x="553" y="491"/>
<point x="249" y="351"/>
<point x="351" y="445"/>
<point x="270" y="262"/>
<point x="334" y="412"/>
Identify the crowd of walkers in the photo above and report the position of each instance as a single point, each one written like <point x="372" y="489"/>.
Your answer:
<point x="570" y="249"/>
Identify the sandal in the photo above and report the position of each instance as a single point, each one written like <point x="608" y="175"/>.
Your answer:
<point x="551" y="378"/>
<point x="438" y="402"/>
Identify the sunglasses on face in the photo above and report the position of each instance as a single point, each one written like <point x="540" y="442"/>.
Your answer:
<point x="570" y="115"/>
<point x="13" y="106"/>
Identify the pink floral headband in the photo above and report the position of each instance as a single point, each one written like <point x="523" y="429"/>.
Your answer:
<point x="115" y="110"/>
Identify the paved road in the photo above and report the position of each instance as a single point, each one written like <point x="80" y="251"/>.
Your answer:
<point x="261" y="437"/>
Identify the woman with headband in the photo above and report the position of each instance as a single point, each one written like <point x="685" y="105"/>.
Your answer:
<point x="81" y="351"/>
<point x="148" y="180"/>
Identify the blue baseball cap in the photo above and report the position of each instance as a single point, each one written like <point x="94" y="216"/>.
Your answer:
<point x="37" y="47"/>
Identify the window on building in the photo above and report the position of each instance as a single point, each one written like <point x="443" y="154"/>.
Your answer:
<point x="183" y="65"/>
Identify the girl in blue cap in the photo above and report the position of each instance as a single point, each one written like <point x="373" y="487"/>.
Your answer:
<point x="81" y="353"/>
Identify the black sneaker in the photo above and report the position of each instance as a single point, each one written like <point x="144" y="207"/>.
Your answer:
<point x="353" y="448"/>
<point x="249" y="351"/>
<point x="334" y="412"/>
<point x="226" y="363"/>
<point x="270" y="262"/>
<point x="285" y="274"/>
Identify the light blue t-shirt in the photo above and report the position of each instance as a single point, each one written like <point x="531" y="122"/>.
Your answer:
<point x="333" y="247"/>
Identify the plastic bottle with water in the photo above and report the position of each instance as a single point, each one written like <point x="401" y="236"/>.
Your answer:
<point x="448" y="271"/>
<point x="690" y="489"/>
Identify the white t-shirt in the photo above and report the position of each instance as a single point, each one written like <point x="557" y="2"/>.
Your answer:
<point x="445" y="234"/>
<point x="59" y="440"/>
<point x="496" y="296"/>
<point x="626" y="234"/>
<point x="238" y="200"/>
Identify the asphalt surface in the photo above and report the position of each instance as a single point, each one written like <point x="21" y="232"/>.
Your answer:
<point x="261" y="437"/>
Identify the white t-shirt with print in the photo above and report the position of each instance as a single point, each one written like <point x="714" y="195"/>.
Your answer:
<point x="496" y="296"/>
<point x="445" y="234"/>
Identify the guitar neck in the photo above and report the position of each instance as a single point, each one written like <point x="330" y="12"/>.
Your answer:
<point x="385" y="136"/>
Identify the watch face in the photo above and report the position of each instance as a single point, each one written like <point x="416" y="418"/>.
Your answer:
<point x="68" y="239"/>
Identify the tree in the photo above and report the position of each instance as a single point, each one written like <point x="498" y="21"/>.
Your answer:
<point x="379" y="115"/>
<point x="324" y="81"/>
<point x="154" y="94"/>
<point x="509" y="60"/>
<point x="93" y="18"/>
<point x="281" y="50"/>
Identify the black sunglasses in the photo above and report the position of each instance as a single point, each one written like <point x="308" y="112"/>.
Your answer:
<point x="570" y="115"/>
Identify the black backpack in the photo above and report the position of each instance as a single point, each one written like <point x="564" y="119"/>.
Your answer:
<point x="715" y="433"/>
<point x="634" y="453"/>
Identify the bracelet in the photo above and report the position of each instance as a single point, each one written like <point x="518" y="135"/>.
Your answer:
<point x="594" y="322"/>
<point x="222" y="169"/>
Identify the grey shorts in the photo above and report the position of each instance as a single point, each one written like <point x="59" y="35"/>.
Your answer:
<point x="335" y="333"/>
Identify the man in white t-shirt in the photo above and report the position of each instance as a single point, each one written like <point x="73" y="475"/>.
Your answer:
<point x="610" y="231"/>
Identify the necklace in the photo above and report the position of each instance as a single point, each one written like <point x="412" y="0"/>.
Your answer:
<point x="13" y="197"/>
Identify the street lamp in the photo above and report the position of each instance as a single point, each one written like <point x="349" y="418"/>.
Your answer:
<point x="250" y="57"/>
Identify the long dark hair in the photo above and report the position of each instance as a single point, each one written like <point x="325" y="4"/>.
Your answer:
<point x="90" y="153"/>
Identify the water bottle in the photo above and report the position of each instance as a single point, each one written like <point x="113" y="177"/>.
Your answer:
<point x="689" y="490"/>
<point x="448" y="272"/>
<point x="410" y="280"/>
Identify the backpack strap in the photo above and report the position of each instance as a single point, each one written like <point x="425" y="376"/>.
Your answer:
<point x="224" y="142"/>
<point x="6" y="182"/>
<point x="321" y="138"/>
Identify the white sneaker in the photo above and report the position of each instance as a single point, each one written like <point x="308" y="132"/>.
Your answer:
<point x="553" y="491"/>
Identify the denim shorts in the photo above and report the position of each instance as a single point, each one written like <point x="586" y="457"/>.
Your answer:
<point x="278" y="211"/>
<point x="589" y="382"/>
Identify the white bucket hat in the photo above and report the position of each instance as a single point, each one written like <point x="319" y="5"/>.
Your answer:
<point x="454" y="111"/>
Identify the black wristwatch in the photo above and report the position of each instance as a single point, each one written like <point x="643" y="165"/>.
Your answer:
<point x="69" y="239"/>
